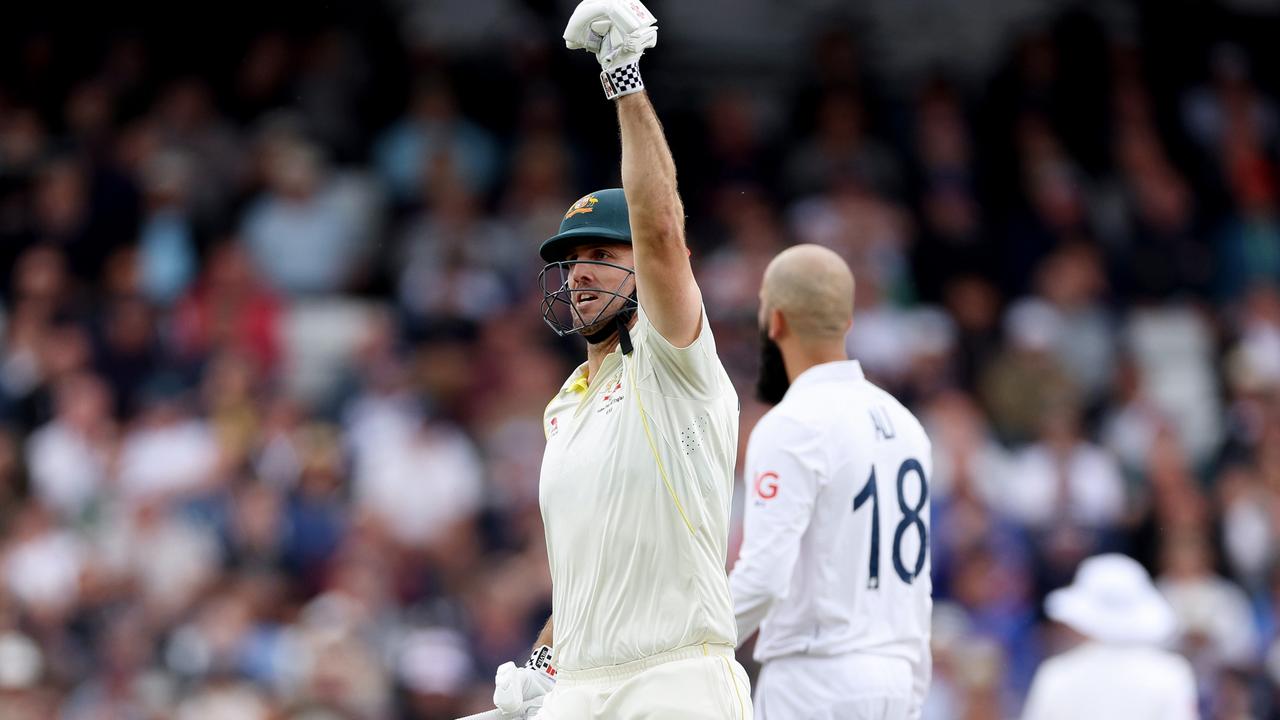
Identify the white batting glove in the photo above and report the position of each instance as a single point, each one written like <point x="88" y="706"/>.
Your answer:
<point x="617" y="32"/>
<point x="518" y="691"/>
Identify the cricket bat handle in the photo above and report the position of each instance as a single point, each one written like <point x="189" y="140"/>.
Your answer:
<point x="486" y="715"/>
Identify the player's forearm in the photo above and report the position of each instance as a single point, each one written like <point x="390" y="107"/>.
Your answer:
<point x="751" y="603"/>
<point x="665" y="284"/>
<point x="545" y="637"/>
<point x="749" y="614"/>
<point x="649" y="176"/>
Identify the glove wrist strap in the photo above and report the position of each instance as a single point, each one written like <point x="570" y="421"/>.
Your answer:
<point x="623" y="80"/>
<point x="540" y="661"/>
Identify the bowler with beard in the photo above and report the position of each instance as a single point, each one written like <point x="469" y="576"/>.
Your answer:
<point x="834" y="570"/>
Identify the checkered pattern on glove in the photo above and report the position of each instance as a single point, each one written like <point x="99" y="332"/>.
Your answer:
<point x="622" y="81"/>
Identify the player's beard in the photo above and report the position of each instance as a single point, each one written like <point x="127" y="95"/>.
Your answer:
<point x="599" y="331"/>
<point x="772" y="383"/>
<point x="605" y="324"/>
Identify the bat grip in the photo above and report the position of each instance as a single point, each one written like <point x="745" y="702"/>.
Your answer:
<point x="486" y="715"/>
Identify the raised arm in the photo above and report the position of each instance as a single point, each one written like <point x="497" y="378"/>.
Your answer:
<point x="664" y="278"/>
<point x="618" y="32"/>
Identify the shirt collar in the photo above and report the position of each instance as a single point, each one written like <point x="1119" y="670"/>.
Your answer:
<point x="842" y="370"/>
<point x="577" y="382"/>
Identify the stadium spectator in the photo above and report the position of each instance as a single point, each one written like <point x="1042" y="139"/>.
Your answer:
<point x="229" y="310"/>
<point x="434" y="145"/>
<point x="69" y="457"/>
<point x="1216" y="626"/>
<point x="1117" y="669"/>
<point x="167" y="242"/>
<point x="306" y="234"/>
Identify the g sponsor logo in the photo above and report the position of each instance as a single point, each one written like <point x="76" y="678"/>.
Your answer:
<point x="767" y="485"/>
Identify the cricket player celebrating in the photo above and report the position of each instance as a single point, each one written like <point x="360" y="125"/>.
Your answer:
<point x="637" y="475"/>
<point x="834" y="568"/>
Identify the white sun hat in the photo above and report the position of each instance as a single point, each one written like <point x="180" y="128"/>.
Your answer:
<point x="1112" y="600"/>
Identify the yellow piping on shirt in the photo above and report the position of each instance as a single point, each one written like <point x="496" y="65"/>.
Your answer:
<point x="653" y="448"/>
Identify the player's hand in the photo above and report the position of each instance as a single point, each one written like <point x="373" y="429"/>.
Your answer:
<point x="518" y="691"/>
<point x="616" y="31"/>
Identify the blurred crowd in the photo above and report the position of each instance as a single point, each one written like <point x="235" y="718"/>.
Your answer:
<point x="272" y="369"/>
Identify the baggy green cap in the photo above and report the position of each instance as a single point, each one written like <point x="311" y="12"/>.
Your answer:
<point x="601" y="215"/>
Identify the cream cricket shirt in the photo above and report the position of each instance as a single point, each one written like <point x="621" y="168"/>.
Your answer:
<point x="635" y="493"/>
<point x="835" y="550"/>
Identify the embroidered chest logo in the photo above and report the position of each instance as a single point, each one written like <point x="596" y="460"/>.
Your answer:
<point x="611" y="397"/>
<point x="553" y="427"/>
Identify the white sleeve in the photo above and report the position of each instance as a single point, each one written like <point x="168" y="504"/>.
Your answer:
<point x="694" y="370"/>
<point x="783" y="479"/>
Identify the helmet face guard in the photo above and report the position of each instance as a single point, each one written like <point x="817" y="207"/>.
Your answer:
<point x="561" y="314"/>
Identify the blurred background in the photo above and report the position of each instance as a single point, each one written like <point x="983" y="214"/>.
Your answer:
<point x="272" y="368"/>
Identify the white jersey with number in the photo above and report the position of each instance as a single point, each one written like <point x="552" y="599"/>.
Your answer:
<point x="835" y="556"/>
<point x="636" y="489"/>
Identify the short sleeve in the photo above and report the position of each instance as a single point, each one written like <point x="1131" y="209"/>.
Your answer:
<point x="689" y="371"/>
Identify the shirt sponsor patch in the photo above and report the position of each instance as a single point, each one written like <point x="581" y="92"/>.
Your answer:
<point x="611" y="398"/>
<point x="766" y="485"/>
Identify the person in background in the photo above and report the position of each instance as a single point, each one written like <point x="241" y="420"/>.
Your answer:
<point x="1119" y="669"/>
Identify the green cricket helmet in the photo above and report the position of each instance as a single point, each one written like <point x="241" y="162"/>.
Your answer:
<point x="598" y="217"/>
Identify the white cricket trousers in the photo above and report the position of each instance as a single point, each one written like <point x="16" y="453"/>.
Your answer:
<point x="844" y="687"/>
<point x="701" y="682"/>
